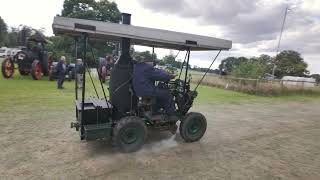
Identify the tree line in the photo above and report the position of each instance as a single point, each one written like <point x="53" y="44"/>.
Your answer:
<point x="287" y="63"/>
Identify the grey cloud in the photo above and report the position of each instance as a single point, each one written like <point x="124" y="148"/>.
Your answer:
<point x="163" y="5"/>
<point x="305" y="39"/>
<point x="250" y="23"/>
<point x="242" y="20"/>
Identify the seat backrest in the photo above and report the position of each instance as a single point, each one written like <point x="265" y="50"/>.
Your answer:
<point x="147" y="100"/>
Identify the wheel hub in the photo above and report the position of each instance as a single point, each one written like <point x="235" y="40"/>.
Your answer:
<point x="130" y="135"/>
<point x="194" y="127"/>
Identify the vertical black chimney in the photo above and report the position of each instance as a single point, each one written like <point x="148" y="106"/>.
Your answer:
<point x="125" y="42"/>
<point x="121" y="97"/>
<point x="126" y="18"/>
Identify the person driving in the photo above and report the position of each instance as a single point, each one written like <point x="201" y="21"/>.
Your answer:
<point x="144" y="77"/>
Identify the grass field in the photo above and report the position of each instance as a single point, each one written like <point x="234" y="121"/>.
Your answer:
<point x="23" y="91"/>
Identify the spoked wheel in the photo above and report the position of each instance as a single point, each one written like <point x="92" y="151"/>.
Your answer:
<point x="21" y="60"/>
<point x="129" y="134"/>
<point x="36" y="71"/>
<point x="7" y="68"/>
<point x="193" y="127"/>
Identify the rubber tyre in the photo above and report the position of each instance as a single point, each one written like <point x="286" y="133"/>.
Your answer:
<point x="7" y="68"/>
<point x="36" y="70"/>
<point x="129" y="134"/>
<point x="193" y="127"/>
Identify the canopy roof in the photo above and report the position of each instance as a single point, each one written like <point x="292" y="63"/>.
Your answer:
<point x="138" y="35"/>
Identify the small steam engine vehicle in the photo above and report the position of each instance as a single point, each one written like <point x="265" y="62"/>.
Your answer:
<point x="32" y="59"/>
<point x="126" y="118"/>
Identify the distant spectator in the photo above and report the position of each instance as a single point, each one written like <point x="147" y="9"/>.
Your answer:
<point x="79" y="72"/>
<point x="109" y="65"/>
<point x="105" y="67"/>
<point x="79" y="66"/>
<point x="61" y="70"/>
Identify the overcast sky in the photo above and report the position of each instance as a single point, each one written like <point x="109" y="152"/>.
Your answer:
<point x="253" y="26"/>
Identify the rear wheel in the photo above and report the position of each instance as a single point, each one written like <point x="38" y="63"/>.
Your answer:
<point x="193" y="127"/>
<point x="36" y="71"/>
<point x="7" y="68"/>
<point x="22" y="60"/>
<point x="129" y="134"/>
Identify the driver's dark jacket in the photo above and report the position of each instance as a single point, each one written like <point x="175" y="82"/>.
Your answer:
<point x="144" y="77"/>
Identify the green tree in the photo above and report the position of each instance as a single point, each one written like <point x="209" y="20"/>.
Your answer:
<point x="18" y="36"/>
<point x="290" y="63"/>
<point x="266" y="61"/>
<point x="228" y="64"/>
<point x="3" y="31"/>
<point x="316" y="77"/>
<point x="12" y="38"/>
<point x="251" y="68"/>
<point x="82" y="9"/>
<point x="102" y="10"/>
<point x="170" y="60"/>
<point x="139" y="56"/>
<point x="61" y="47"/>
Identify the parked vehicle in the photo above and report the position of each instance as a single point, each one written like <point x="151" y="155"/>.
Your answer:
<point x="33" y="59"/>
<point x="4" y="51"/>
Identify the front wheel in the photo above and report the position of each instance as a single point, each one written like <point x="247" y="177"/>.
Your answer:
<point x="7" y="68"/>
<point x="193" y="127"/>
<point x="129" y="134"/>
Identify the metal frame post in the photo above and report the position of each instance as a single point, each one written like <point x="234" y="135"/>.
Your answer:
<point x="76" y="76"/>
<point x="184" y="61"/>
<point x="153" y="54"/>
<point x="207" y="71"/>
<point x="85" y="41"/>
<point x="187" y="68"/>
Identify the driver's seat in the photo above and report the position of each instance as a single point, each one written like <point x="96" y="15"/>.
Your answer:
<point x="147" y="100"/>
<point x="146" y="105"/>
